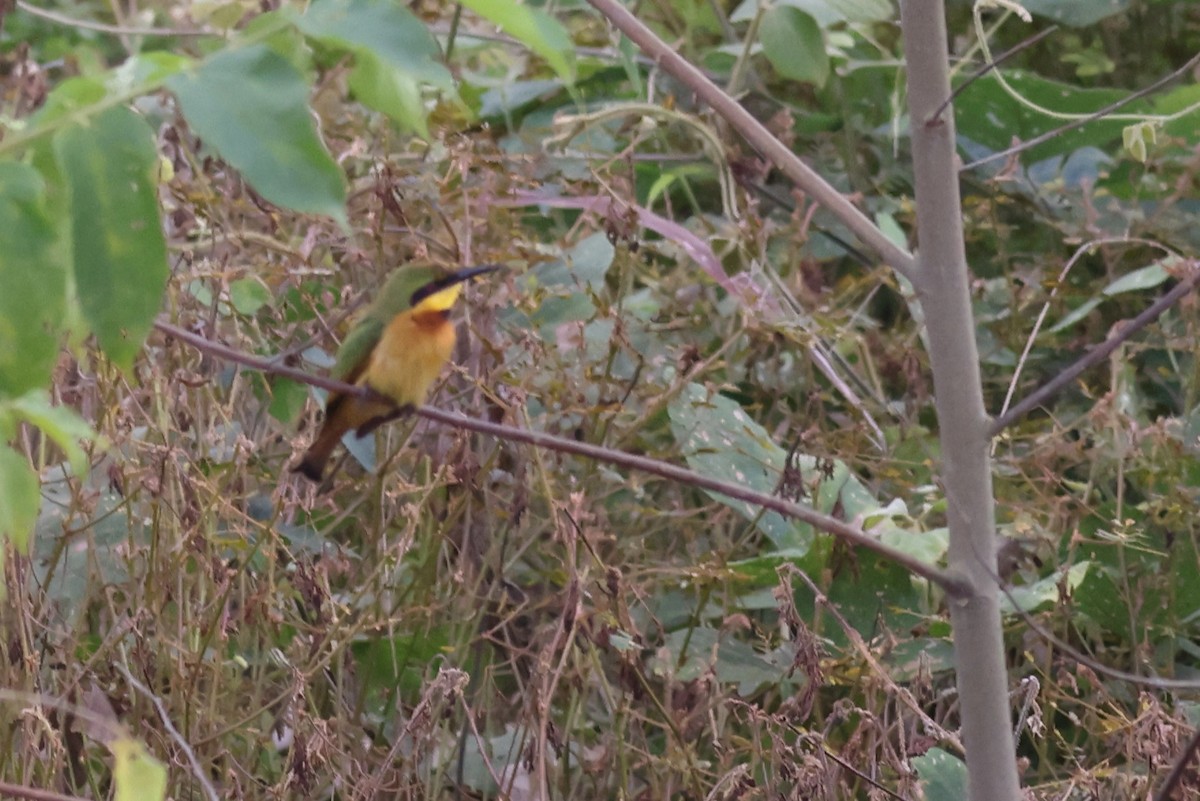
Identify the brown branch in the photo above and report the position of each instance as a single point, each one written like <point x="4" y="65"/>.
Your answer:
<point x="1175" y="777"/>
<point x="198" y="770"/>
<point x="34" y="794"/>
<point x="827" y="523"/>
<point x="1096" y="354"/>
<point x="119" y="30"/>
<point x="758" y="136"/>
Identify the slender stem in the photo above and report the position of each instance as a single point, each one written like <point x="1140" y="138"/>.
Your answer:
<point x="1179" y="770"/>
<point x="8" y="790"/>
<point x="757" y="135"/>
<point x="991" y="65"/>
<point x="1186" y="69"/>
<point x="1096" y="354"/>
<point x="827" y="523"/>
<point x="198" y="771"/>
<point x="119" y="30"/>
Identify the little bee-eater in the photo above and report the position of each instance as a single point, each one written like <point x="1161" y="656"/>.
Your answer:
<point x="397" y="350"/>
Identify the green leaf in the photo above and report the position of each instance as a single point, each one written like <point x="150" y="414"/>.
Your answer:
<point x="1077" y="13"/>
<point x="389" y="31"/>
<point x="137" y="776"/>
<point x="19" y="498"/>
<point x="688" y="654"/>
<point x="1075" y="315"/>
<point x="943" y="775"/>
<point x="71" y="95"/>
<point x="534" y="28"/>
<point x="928" y="546"/>
<point x="1045" y="592"/>
<point x="988" y="115"/>
<point x="287" y="399"/>
<point x="60" y="423"/>
<point x="394" y="55"/>
<point x="389" y="92"/>
<point x="719" y="440"/>
<point x="119" y="252"/>
<point x="386" y="664"/>
<point x="567" y="285"/>
<point x="33" y="302"/>
<point x="146" y="69"/>
<point x="826" y="12"/>
<point x="1146" y="277"/>
<point x="793" y="43"/>
<point x="248" y="295"/>
<point x="264" y="128"/>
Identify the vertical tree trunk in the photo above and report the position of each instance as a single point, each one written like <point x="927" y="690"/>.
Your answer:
<point x="942" y="281"/>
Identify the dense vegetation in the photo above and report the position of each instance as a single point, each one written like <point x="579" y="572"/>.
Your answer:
<point x="457" y="613"/>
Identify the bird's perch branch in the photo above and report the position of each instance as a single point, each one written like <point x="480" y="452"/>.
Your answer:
<point x="827" y="523"/>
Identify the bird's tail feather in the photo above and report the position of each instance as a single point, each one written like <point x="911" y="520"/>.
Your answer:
<point x="312" y="465"/>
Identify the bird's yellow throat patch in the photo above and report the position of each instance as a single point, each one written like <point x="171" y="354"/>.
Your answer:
<point x="440" y="301"/>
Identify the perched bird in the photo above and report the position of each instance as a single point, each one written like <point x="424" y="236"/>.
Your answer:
<point x="397" y="349"/>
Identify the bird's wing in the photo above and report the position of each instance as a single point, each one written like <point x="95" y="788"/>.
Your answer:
<point x="355" y="352"/>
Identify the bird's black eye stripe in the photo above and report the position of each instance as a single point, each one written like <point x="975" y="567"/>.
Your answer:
<point x="432" y="288"/>
<point x="438" y="284"/>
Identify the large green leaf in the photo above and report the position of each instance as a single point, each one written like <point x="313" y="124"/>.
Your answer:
<point x="718" y="439"/>
<point x="988" y="115"/>
<point x="793" y="43"/>
<point x="394" y="54"/>
<point x="943" y="775"/>
<point x="33" y="301"/>
<point x="688" y="654"/>
<point x="119" y="252"/>
<point x="251" y="105"/>
<point x="60" y="423"/>
<point x="18" y="498"/>
<point x="1077" y="13"/>
<point x="536" y="29"/>
<point x="826" y="12"/>
<point x="390" y="92"/>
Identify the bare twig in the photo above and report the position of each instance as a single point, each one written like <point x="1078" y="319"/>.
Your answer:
<point x="758" y="136"/>
<point x="8" y="790"/>
<point x="902" y="694"/>
<point x="827" y="523"/>
<point x="1079" y="253"/>
<point x="1096" y="354"/>
<point x="1169" y="785"/>
<point x="119" y="30"/>
<point x="1081" y="658"/>
<point x="198" y="770"/>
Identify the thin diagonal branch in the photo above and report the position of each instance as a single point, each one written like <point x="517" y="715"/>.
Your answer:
<point x="758" y="136"/>
<point x="119" y="30"/>
<point x="1096" y="354"/>
<point x="1070" y="126"/>
<point x="823" y="522"/>
<point x="198" y="771"/>
<point x="991" y="65"/>
<point x="1179" y="770"/>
